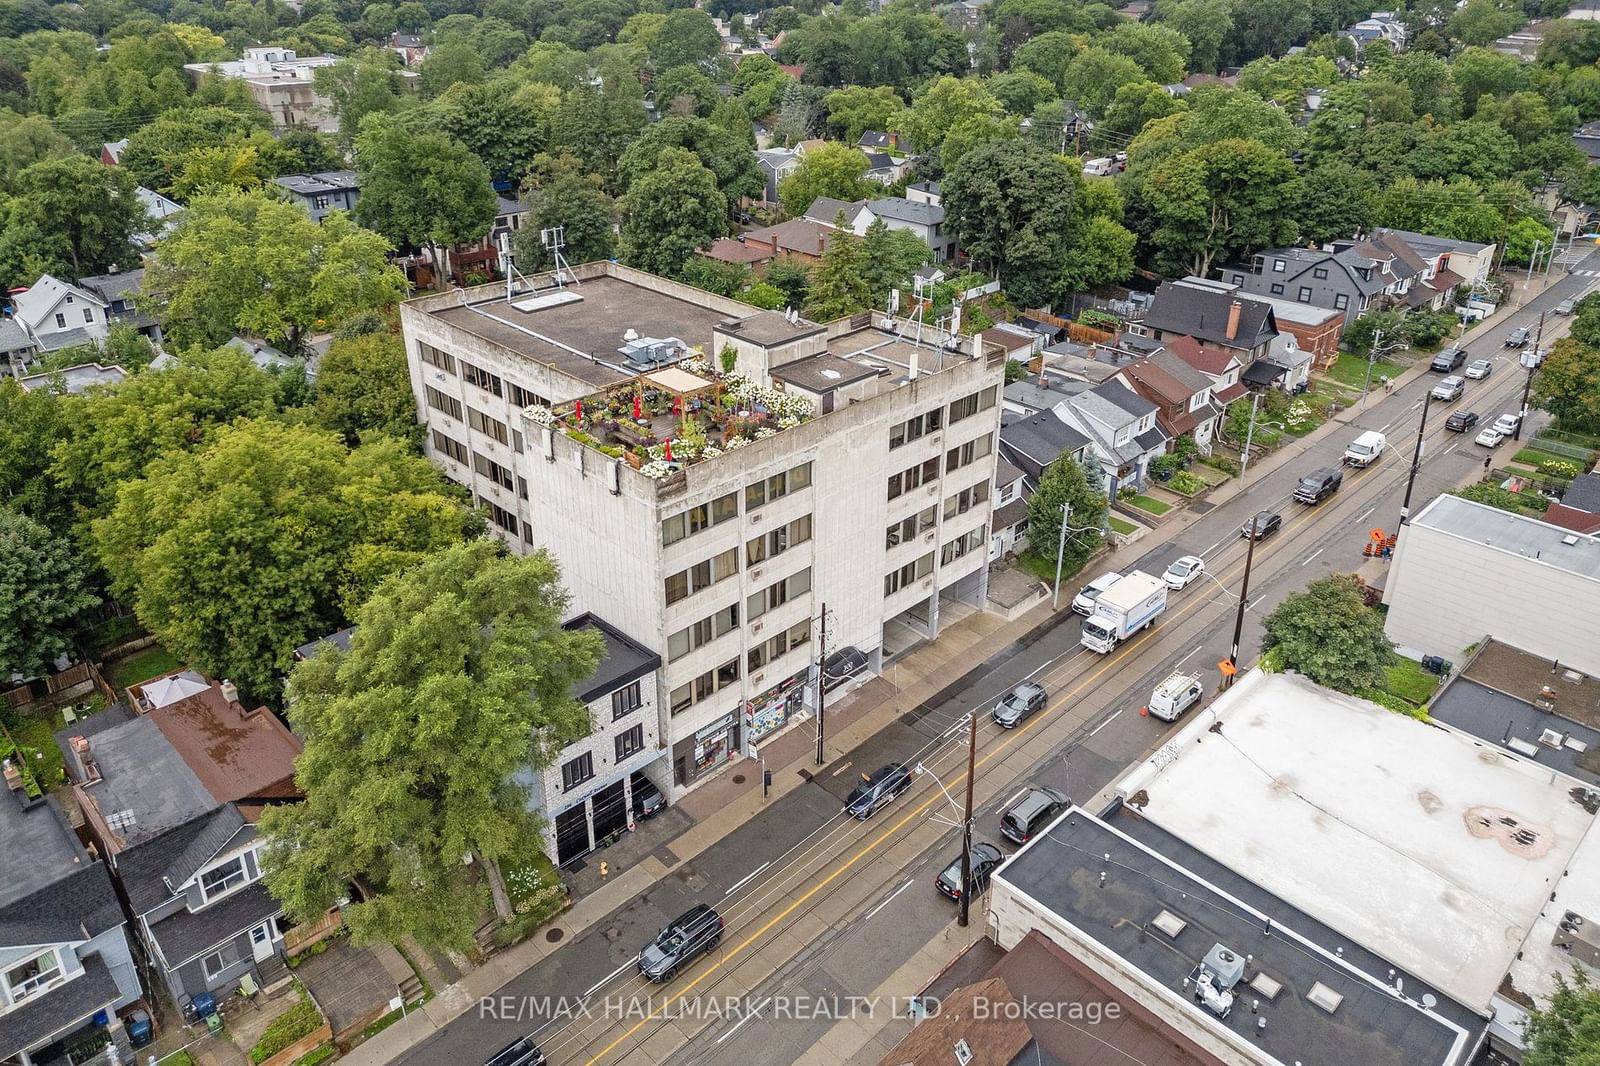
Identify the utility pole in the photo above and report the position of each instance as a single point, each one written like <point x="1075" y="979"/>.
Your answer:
<point x="1533" y="259"/>
<point x="1244" y="600"/>
<point x="966" y="823"/>
<point x="1416" y="462"/>
<point x="1372" y="357"/>
<point x="1530" y="361"/>
<point x="1061" y="551"/>
<point x="822" y="683"/>
<point x="1249" y="434"/>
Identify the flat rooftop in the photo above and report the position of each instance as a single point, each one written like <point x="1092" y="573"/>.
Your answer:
<point x="1150" y="872"/>
<point x="581" y="337"/>
<point x="896" y="355"/>
<point x="1510" y="670"/>
<point x="36" y="848"/>
<point x="146" y="787"/>
<point x="1530" y="538"/>
<point x="1435" y="848"/>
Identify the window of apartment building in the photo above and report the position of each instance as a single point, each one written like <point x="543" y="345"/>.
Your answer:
<point x="434" y="357"/>
<point x="981" y="400"/>
<point x="973" y="450"/>
<point x="625" y="701"/>
<point x="697" y="518"/>
<point x="522" y="487"/>
<point x="899" y="579"/>
<point x="1320" y="273"/>
<point x="220" y="879"/>
<point x="34" y="975"/>
<point x="576" y="772"/>
<point x="525" y="398"/>
<point x="440" y="402"/>
<point x="774" y="543"/>
<point x="489" y="427"/>
<point x="702" y="575"/>
<point x="1238" y="279"/>
<point x="449" y="446"/>
<point x="777" y="486"/>
<point x="703" y="632"/>
<point x="966" y="499"/>
<point x="906" y="480"/>
<point x="494" y="472"/>
<point x="913" y="428"/>
<point x="630" y="742"/>
<point x="1341" y="301"/>
<point x="1305" y="294"/>
<point x="770" y="650"/>
<point x="499" y="515"/>
<point x="1277" y="289"/>
<point x="910" y="527"/>
<point x="777" y="594"/>
<point x="527" y="532"/>
<point x="705" y="685"/>
<point x="475" y="375"/>
<point x="961" y="546"/>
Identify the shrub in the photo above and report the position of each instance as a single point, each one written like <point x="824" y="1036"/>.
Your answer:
<point x="1186" y="483"/>
<point x="1559" y="468"/>
<point x="1166" y="466"/>
<point x="1099" y="319"/>
<point x="1394" y="703"/>
<point x="319" y="1054"/>
<point x="299" y="1022"/>
<point x="1222" y="463"/>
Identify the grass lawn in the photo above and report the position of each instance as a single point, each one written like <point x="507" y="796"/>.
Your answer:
<point x="33" y="736"/>
<point x="1409" y="681"/>
<point x="1533" y="457"/>
<point x="141" y="666"/>
<point x="1351" y="370"/>
<point x="1148" y="503"/>
<point x="1122" y="526"/>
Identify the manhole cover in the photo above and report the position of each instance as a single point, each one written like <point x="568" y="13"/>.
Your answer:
<point x="554" y="935"/>
<point x="738" y="779"/>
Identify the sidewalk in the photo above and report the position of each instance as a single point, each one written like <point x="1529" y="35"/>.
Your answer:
<point x="722" y="805"/>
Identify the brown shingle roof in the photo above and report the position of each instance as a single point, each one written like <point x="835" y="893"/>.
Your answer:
<point x="1206" y="358"/>
<point x="728" y="250"/>
<point x="985" y="1015"/>
<point x="235" y="756"/>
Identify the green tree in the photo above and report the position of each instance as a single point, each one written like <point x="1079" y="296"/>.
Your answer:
<point x="1065" y="484"/>
<point x="685" y="91"/>
<point x="975" y="132"/>
<point x="459" y="675"/>
<point x="1569" y="41"/>
<point x="1482" y="22"/>
<point x="732" y="159"/>
<point x="1160" y="50"/>
<point x="1338" y="202"/>
<point x="422" y="189"/>
<point x="363" y="386"/>
<point x="31" y="424"/>
<point x="1206" y="24"/>
<point x="24" y="141"/>
<point x="42" y="593"/>
<point x="939" y="107"/>
<point x="367" y="83"/>
<point x="1328" y="633"/>
<point x="1010" y="207"/>
<point x="840" y="286"/>
<point x="454" y="62"/>
<point x="1135" y="106"/>
<point x="792" y="277"/>
<point x="252" y="263"/>
<point x="854" y="110"/>
<point x="891" y="257"/>
<point x="1020" y="92"/>
<point x="670" y="212"/>
<point x="504" y="124"/>
<point x="1048" y="55"/>
<point x="1214" y="204"/>
<point x="268" y="538"/>
<point x="1567" y="1032"/>
<point x="1568" y="384"/>
<point x="572" y="200"/>
<point x="832" y="170"/>
<point x="687" y="37"/>
<point x="1094" y="76"/>
<point x="70" y="217"/>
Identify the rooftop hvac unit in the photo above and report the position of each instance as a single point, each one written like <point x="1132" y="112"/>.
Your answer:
<point x="1579" y="937"/>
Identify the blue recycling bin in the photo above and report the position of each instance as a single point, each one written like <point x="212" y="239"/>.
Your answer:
<point x="139" y="1030"/>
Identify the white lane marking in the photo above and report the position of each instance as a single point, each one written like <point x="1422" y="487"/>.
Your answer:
<point x="1364" y="514"/>
<point x="604" y="980"/>
<point x="1103" y="724"/>
<point x="1191" y="655"/>
<point x="741" y="882"/>
<point x="841" y="769"/>
<point x="885" y="902"/>
<point x="1313" y="555"/>
<point x="1013" y="799"/>
<point x="741" y="1022"/>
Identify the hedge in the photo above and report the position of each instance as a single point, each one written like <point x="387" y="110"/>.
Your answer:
<point x="298" y="1022"/>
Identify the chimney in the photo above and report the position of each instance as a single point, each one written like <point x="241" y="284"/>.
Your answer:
<point x="1234" y="309"/>
<point x="230" y="693"/>
<point x="85" y="770"/>
<point x="13" y="777"/>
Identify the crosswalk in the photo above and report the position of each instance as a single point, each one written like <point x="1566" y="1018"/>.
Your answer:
<point x="1586" y="273"/>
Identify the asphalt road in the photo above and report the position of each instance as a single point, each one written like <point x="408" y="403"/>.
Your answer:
<point x="820" y="905"/>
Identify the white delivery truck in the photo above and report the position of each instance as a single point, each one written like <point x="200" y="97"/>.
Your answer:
<point x="1365" y="449"/>
<point x="1122" y="610"/>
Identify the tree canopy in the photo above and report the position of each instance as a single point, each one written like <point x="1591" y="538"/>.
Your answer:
<point x="1064" y="484"/>
<point x="363" y="386"/>
<point x="42" y="592"/>
<point x="1328" y="633"/>
<point x="1565" y="1032"/>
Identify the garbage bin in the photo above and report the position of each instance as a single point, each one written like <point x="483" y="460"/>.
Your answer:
<point x="139" y="1029"/>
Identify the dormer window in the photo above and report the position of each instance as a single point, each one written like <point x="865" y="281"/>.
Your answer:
<point x="33" y="976"/>
<point x="220" y="880"/>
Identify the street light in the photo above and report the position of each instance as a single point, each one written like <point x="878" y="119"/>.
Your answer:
<point x="966" y="818"/>
<point x="1416" y="462"/>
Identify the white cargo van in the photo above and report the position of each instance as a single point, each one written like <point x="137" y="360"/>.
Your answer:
<point x="1099" y="168"/>
<point x="1365" y="449"/>
<point x="1175" y="695"/>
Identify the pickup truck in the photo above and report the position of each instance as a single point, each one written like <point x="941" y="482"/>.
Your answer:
<point x="1122" y="610"/>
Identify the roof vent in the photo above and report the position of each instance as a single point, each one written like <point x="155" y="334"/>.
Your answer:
<point x="1170" y="924"/>
<point x="1551" y="739"/>
<point x="1324" y="997"/>
<point x="963" y="1053"/>
<point x="1570" y="539"/>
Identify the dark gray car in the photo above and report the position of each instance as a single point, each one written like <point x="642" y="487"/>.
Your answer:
<point x="1016" y="705"/>
<point x="1036" y="807"/>
<point x="877" y="789"/>
<point x="985" y="858"/>
<point x="692" y="934"/>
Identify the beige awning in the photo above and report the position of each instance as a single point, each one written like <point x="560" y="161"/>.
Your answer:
<point x="673" y="380"/>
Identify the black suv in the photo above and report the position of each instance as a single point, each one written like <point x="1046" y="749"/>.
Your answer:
<point x="1448" y="360"/>
<point x="1036" y="807"/>
<point x="985" y="858"/>
<point x="876" y="790"/>
<point x="522" y="1053"/>
<point x="1266" y="523"/>
<point x="1318" y="485"/>
<point x="692" y="934"/>
<point x="1461" y="421"/>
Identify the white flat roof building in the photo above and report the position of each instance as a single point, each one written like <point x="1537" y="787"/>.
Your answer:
<point x="1463" y="569"/>
<point x="1435" y="849"/>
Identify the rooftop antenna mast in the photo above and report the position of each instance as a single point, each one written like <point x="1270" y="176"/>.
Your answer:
<point x="508" y="267"/>
<point x="554" y="238"/>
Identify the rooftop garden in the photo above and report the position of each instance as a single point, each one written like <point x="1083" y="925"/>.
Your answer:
<point x="667" y="419"/>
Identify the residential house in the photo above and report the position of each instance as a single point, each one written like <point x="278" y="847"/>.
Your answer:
<point x="1384" y="26"/>
<point x="776" y="164"/>
<point x="74" y="380"/>
<point x="1019" y="344"/>
<point x="17" y="349"/>
<point x="410" y="47"/>
<point x="111" y="152"/>
<point x="1587" y="139"/>
<point x="1468" y="259"/>
<point x="57" y="314"/>
<point x="826" y="209"/>
<point x="878" y="141"/>
<point x="802" y="238"/>
<point x="186" y="852"/>
<point x="1075" y="126"/>
<point x="923" y="216"/>
<point x="1041" y="392"/>
<point x="1121" y="426"/>
<point x="66" y="971"/>
<point x="322" y="193"/>
<point x="162" y="211"/>
<point x="1182" y="395"/>
<point x="118" y="290"/>
<point x="1222" y="365"/>
<point x="1212" y="312"/>
<point x="1008" y="526"/>
<point x="1341" y="281"/>
<point x="1316" y="330"/>
<point x="1579" y="509"/>
<point x="885" y="169"/>
<point x="965" y="15"/>
<point x="281" y="81"/>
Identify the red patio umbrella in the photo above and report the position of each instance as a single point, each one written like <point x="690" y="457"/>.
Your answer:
<point x="638" y="407"/>
<point x="669" y="449"/>
<point x="577" y="410"/>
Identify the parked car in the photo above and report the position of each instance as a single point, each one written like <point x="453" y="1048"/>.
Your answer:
<point x="841" y="666"/>
<point x="1449" y="389"/>
<point x="1083" y="602"/>
<point x="1566" y="307"/>
<point x="1461" y="421"/>
<point x="1508" y="424"/>
<point x="1024" y="700"/>
<point x="1536" y="358"/>
<point x="1036" y="807"/>
<point x="523" y="1052"/>
<point x="1447" y="359"/>
<point x="1519" y="337"/>
<point x="985" y="858"/>
<point x="1318" y="485"/>
<point x="1175" y="695"/>
<point x="1266" y="524"/>
<point x="1489" y="437"/>
<point x="1182" y="571"/>
<point x="687" y="937"/>
<point x="648" y="800"/>
<point x="877" y="790"/>
<point x="1479" y="369"/>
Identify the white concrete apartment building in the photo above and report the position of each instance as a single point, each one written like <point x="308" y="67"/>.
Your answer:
<point x="847" y="466"/>
<point x="281" y="82"/>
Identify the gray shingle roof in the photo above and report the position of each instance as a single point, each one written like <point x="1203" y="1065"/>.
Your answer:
<point x="223" y="826"/>
<point x="143" y="866"/>
<point x="12" y="336"/>
<point x="1584" y="493"/>
<point x="185" y="935"/>
<point x="83" y="901"/>
<point x="903" y="210"/>
<point x="114" y="287"/>
<point x="1035" y="442"/>
<point x="1203" y="313"/>
<point x="44" y="1016"/>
